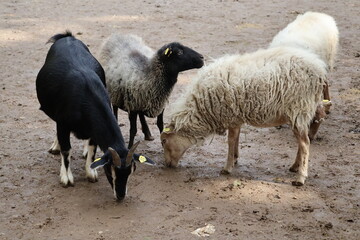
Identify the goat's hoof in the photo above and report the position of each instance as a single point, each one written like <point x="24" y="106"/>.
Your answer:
<point x="54" y="151"/>
<point x="92" y="176"/>
<point x="225" y="172"/>
<point x="149" y="138"/>
<point x="92" y="180"/>
<point x="66" y="185"/>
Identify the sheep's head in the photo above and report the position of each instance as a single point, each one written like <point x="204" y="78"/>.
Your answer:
<point x="174" y="146"/>
<point x="177" y="58"/>
<point x="118" y="169"/>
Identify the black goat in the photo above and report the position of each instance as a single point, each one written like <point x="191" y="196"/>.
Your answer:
<point x="71" y="91"/>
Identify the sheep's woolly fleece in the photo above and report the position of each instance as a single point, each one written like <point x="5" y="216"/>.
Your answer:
<point x="313" y="31"/>
<point x="130" y="64"/>
<point x="260" y="89"/>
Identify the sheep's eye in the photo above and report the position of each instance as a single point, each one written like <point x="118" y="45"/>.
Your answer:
<point x="180" y="52"/>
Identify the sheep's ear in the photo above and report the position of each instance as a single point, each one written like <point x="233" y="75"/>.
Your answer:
<point x="143" y="159"/>
<point x="99" y="162"/>
<point x="168" y="52"/>
<point x="167" y="130"/>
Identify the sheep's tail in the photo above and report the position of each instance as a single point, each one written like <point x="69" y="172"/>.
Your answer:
<point x="59" y="36"/>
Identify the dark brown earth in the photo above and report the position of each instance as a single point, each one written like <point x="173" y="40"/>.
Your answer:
<point x="256" y="202"/>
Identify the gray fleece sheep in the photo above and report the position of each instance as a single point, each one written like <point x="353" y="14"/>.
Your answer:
<point x="140" y="80"/>
<point x="263" y="89"/>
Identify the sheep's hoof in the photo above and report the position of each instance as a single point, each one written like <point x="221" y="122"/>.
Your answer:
<point x="149" y="138"/>
<point x="294" y="168"/>
<point x="297" y="183"/>
<point x="225" y="172"/>
<point x="54" y="151"/>
<point x="311" y="137"/>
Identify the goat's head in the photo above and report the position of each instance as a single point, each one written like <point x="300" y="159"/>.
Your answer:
<point x="177" y="57"/>
<point x="119" y="169"/>
<point x="174" y="146"/>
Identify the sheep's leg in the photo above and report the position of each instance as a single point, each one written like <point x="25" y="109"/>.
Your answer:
<point x="316" y="121"/>
<point x="133" y="127"/>
<point x="145" y="127"/>
<point x="233" y="144"/>
<point x="55" y="147"/>
<point x="91" y="174"/>
<point x="326" y="94"/>
<point x="66" y="177"/>
<point x="236" y="152"/>
<point x="160" y="121"/>
<point x="302" y="158"/>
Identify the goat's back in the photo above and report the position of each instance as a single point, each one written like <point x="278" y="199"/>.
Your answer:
<point x="65" y="80"/>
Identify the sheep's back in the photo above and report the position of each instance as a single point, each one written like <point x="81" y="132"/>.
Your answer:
<point x="313" y="31"/>
<point x="124" y="58"/>
<point x="261" y="89"/>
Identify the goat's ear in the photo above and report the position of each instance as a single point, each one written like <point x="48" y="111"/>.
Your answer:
<point x="168" y="52"/>
<point x="143" y="159"/>
<point x="99" y="162"/>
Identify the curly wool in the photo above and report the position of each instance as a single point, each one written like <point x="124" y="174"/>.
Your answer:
<point x="312" y="31"/>
<point x="265" y="88"/>
<point x="126" y="60"/>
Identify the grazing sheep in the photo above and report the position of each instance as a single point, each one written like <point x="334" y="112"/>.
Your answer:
<point x="318" y="33"/>
<point x="263" y="89"/>
<point x="140" y="81"/>
<point x="71" y="90"/>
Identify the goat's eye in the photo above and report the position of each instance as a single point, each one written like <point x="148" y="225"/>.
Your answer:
<point x="163" y="142"/>
<point x="180" y="52"/>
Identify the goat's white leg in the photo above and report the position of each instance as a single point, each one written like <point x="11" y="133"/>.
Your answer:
<point x="302" y="158"/>
<point x="233" y="143"/>
<point x="66" y="177"/>
<point x="55" y="147"/>
<point x="91" y="174"/>
<point x="86" y="150"/>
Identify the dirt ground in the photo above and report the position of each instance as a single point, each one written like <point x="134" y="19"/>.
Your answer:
<point x="256" y="201"/>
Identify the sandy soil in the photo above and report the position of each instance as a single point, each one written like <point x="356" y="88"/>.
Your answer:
<point x="256" y="202"/>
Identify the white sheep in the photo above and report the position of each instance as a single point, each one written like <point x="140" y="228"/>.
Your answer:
<point x="312" y="31"/>
<point x="140" y="80"/>
<point x="263" y="89"/>
<point x="318" y="33"/>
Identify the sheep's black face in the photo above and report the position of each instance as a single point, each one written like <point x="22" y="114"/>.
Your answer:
<point x="118" y="177"/>
<point x="177" y="58"/>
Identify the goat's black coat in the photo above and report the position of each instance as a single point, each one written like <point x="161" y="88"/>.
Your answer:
<point x="71" y="91"/>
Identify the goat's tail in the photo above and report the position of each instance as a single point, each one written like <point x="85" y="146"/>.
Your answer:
<point x="59" y="36"/>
